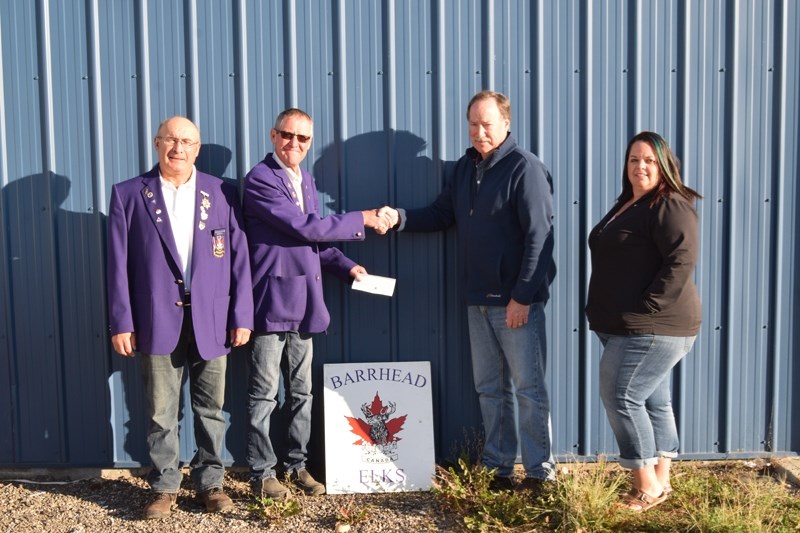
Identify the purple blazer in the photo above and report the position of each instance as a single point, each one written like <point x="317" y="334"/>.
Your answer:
<point x="289" y="250"/>
<point x="145" y="285"/>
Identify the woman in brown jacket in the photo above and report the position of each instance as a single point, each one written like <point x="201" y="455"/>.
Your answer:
<point x="644" y="307"/>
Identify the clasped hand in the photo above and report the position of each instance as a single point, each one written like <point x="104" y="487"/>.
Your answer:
<point x="381" y="220"/>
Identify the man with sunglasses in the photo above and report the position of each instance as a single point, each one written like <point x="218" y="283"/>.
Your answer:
<point x="179" y="293"/>
<point x="290" y="247"/>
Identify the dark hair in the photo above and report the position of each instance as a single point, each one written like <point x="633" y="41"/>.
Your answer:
<point x="291" y="112"/>
<point x="503" y="104"/>
<point x="669" y="168"/>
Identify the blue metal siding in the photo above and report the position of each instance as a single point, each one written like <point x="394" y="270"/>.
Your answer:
<point x="85" y="84"/>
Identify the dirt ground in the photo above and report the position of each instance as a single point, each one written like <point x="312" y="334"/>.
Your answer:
<point x="112" y="500"/>
<point x="100" y="504"/>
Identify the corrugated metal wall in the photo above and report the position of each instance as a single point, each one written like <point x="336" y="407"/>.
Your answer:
<point x="86" y="82"/>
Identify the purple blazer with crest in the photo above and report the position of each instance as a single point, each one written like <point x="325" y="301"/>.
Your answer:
<point x="145" y="285"/>
<point x="289" y="249"/>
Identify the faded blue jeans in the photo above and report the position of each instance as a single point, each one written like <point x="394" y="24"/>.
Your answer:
<point x="290" y="354"/>
<point x="162" y="380"/>
<point x="507" y="363"/>
<point x="635" y="373"/>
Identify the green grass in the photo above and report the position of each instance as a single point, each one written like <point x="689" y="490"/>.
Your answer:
<point x="707" y="497"/>
<point x="274" y="511"/>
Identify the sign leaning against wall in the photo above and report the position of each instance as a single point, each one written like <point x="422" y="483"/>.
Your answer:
<point x="378" y="427"/>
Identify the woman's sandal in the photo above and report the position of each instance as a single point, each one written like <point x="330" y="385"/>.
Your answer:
<point x="639" y="502"/>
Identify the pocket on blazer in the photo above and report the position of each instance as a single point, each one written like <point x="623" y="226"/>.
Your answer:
<point x="287" y="297"/>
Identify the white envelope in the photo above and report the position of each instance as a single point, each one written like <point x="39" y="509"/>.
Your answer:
<point x="375" y="284"/>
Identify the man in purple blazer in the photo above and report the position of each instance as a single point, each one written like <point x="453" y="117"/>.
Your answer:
<point x="179" y="293"/>
<point x="289" y="249"/>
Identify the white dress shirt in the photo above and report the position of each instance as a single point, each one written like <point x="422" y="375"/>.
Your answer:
<point x="297" y="183"/>
<point x="180" y="203"/>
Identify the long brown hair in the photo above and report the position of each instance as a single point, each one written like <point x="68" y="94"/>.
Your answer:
<point x="669" y="166"/>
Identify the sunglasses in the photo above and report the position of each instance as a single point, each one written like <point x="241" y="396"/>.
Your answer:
<point x="288" y="135"/>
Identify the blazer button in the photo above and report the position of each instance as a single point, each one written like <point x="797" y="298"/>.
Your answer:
<point x="179" y="281"/>
<point x="179" y="304"/>
<point x="358" y="234"/>
<point x="316" y="278"/>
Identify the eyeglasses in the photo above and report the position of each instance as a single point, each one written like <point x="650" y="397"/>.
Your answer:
<point x="169" y="142"/>
<point x="288" y="136"/>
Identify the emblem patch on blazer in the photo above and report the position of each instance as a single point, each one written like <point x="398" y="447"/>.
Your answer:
<point x="218" y="236"/>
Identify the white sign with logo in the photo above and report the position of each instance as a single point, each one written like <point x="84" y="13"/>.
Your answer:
<point x="378" y="427"/>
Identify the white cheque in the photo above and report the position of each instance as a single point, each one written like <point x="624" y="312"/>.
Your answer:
<point x="375" y="284"/>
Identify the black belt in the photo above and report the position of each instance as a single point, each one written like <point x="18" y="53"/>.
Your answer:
<point x="187" y="299"/>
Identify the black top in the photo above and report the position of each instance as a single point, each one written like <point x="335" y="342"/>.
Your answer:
<point x="642" y="266"/>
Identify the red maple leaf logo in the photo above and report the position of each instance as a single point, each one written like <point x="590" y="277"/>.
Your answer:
<point x="377" y="421"/>
<point x="360" y="428"/>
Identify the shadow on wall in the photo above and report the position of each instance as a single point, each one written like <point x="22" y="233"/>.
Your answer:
<point x="58" y="356"/>
<point x="369" y="171"/>
<point x="75" y="402"/>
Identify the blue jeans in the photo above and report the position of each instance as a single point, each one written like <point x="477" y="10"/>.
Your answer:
<point x="275" y="354"/>
<point x="162" y="380"/>
<point x="508" y="362"/>
<point x="635" y="375"/>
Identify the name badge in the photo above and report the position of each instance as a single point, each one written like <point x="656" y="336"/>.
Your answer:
<point x="218" y="237"/>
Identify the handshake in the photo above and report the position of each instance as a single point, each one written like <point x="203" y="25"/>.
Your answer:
<point x="381" y="220"/>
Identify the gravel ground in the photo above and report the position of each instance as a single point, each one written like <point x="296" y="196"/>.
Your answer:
<point x="101" y="504"/>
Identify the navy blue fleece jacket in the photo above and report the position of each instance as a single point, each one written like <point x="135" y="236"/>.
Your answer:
<point x="503" y="211"/>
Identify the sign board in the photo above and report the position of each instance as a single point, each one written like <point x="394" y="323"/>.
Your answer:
<point x="378" y="427"/>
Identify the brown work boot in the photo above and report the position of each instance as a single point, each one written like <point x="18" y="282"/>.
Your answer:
<point x="160" y="506"/>
<point x="215" y="500"/>
<point x="272" y="488"/>
<point x="307" y="484"/>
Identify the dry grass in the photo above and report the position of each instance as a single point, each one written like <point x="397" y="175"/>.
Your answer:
<point x="708" y="496"/>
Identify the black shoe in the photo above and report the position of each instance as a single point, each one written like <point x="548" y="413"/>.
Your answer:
<point x="499" y="483"/>
<point x="532" y="485"/>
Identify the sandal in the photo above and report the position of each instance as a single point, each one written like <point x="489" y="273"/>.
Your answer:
<point x="639" y="502"/>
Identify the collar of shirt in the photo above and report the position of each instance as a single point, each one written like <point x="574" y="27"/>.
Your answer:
<point x="297" y="182"/>
<point x="180" y="205"/>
